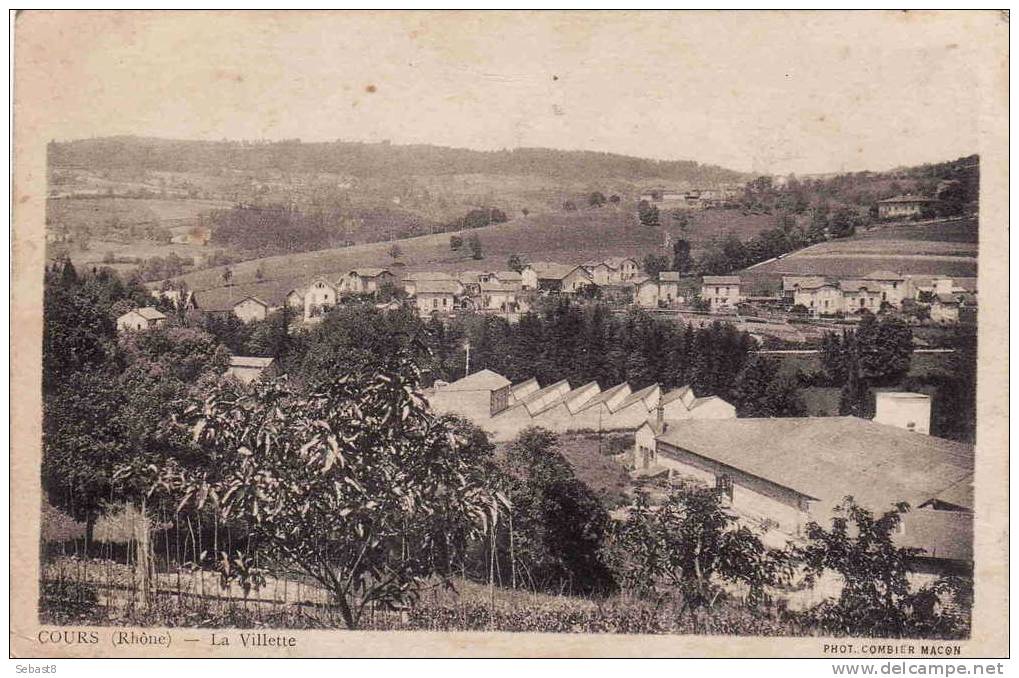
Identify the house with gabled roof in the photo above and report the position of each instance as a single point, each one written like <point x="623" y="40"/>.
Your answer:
<point x="722" y="291"/>
<point x="250" y="309"/>
<point x="772" y="473"/>
<point x="436" y="296"/>
<point x="247" y="369"/>
<point x="553" y="277"/>
<point x="411" y="279"/>
<point x="365" y="280"/>
<point x="903" y="206"/>
<point x="144" y="318"/>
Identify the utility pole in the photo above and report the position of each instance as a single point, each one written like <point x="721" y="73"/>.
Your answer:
<point x="467" y="362"/>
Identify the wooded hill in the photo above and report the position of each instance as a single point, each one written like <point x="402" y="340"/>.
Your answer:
<point x="370" y="159"/>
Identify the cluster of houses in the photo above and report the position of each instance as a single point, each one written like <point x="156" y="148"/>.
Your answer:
<point x="903" y="206"/>
<point x="693" y="199"/>
<point x="822" y="296"/>
<point x="443" y="292"/>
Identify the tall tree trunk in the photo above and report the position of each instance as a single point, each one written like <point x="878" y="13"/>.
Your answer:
<point x="90" y="529"/>
<point x="143" y="559"/>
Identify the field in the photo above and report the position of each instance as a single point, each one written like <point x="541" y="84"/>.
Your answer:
<point x="567" y="237"/>
<point x="136" y="228"/>
<point x="591" y="456"/>
<point x="943" y="248"/>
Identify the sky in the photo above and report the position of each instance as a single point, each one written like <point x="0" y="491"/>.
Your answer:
<point x="765" y="92"/>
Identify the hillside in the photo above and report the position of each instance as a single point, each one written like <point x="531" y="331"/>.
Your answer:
<point x="369" y="160"/>
<point x="567" y="237"/>
<point x="944" y="247"/>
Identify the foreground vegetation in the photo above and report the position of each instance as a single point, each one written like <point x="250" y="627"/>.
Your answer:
<point x="338" y="480"/>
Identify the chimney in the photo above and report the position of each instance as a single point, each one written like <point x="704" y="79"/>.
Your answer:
<point x="660" y="419"/>
<point x="909" y="411"/>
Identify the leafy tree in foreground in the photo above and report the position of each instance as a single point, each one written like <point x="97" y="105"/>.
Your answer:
<point x="876" y="598"/>
<point x="691" y="544"/>
<point x="559" y="524"/>
<point x="355" y="484"/>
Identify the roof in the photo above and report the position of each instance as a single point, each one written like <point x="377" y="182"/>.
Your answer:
<point x="547" y="270"/>
<point x="225" y="298"/>
<point x="483" y="380"/>
<point x="946" y="535"/>
<point x="906" y="198"/>
<point x="857" y="285"/>
<point x="369" y="272"/>
<point x="252" y="298"/>
<point x="827" y="458"/>
<point x="804" y="282"/>
<point x="959" y="494"/>
<point x="947" y="299"/>
<point x="669" y="276"/>
<point x="249" y="361"/>
<point x="429" y="275"/>
<point x="437" y="287"/>
<point x="149" y="313"/>
<point x="721" y="280"/>
<point x="697" y="402"/>
<point x="616" y="262"/>
<point x="469" y="276"/>
<point x="674" y="394"/>
<point x="525" y="386"/>
<point x="508" y="275"/>
<point x="882" y="275"/>
<point x="638" y="280"/>
<point x="605" y="395"/>
<point x="638" y="395"/>
<point x="498" y="287"/>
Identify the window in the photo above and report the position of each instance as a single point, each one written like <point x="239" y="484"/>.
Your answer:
<point x="862" y="302"/>
<point x="445" y="302"/>
<point x="435" y="303"/>
<point x="723" y="485"/>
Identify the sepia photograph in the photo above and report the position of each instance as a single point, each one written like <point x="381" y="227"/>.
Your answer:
<point x="667" y="333"/>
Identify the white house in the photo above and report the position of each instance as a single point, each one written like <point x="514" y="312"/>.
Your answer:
<point x="250" y="309"/>
<point x="893" y="286"/>
<point x="626" y="267"/>
<point x="903" y="206"/>
<point x="773" y="473"/>
<point x="247" y="369"/>
<point x="861" y="295"/>
<point x="498" y="296"/>
<point x="436" y="296"/>
<point x="411" y="280"/>
<point x="555" y="277"/>
<point x="140" y="319"/>
<point x="818" y="296"/>
<point x="478" y="396"/>
<point x="319" y="296"/>
<point x="721" y="291"/>
<point x="365" y="280"/>
<point x="945" y="309"/>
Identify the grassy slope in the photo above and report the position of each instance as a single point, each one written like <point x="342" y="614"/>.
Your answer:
<point x="948" y="248"/>
<point x="567" y="237"/>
